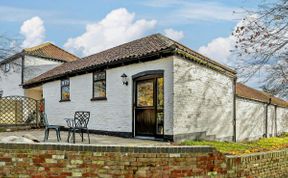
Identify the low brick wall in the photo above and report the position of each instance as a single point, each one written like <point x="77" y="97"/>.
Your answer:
<point x="267" y="164"/>
<point x="53" y="160"/>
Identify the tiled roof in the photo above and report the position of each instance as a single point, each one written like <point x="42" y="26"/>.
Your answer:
<point x="50" y="51"/>
<point x="46" y="50"/>
<point x="251" y="93"/>
<point x="141" y="49"/>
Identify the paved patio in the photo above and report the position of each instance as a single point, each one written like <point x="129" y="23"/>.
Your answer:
<point x="94" y="138"/>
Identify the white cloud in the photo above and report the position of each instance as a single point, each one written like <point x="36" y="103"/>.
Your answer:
<point x="219" y="49"/>
<point x="119" y="26"/>
<point x="33" y="31"/>
<point x="173" y="34"/>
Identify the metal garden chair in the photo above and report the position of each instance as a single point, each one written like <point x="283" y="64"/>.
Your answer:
<point x="78" y="124"/>
<point x="57" y="128"/>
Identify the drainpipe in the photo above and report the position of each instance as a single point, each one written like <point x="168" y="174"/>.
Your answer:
<point x="266" y="118"/>
<point x="234" y="109"/>
<point x="22" y="67"/>
<point x="276" y="134"/>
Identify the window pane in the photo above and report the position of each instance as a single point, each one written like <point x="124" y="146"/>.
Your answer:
<point x="65" y="93"/>
<point x="100" y="89"/>
<point x="145" y="93"/>
<point x="160" y="123"/>
<point x="65" y="82"/>
<point x="160" y="91"/>
<point x="99" y="76"/>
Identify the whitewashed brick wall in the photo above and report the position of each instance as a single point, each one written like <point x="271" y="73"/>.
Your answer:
<point x="115" y="113"/>
<point x="282" y="120"/>
<point x="10" y="81"/>
<point x="35" y="66"/>
<point x="203" y="101"/>
<point x="250" y="119"/>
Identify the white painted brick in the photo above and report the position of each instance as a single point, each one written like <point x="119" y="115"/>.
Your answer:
<point x="115" y="113"/>
<point x="250" y="119"/>
<point x="10" y="82"/>
<point x="203" y="100"/>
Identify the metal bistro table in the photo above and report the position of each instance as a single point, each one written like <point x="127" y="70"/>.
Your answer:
<point x="70" y="124"/>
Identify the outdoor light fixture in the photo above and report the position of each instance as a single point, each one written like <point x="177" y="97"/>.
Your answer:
<point x="124" y="79"/>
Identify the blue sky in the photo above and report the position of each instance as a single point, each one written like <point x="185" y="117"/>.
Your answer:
<point x="194" y="23"/>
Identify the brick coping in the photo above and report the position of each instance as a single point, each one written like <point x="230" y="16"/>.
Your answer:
<point x="109" y="148"/>
<point x="260" y="154"/>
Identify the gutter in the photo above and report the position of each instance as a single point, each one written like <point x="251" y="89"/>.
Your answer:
<point x="276" y="132"/>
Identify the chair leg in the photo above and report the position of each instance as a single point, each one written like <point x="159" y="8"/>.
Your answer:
<point x="73" y="135"/>
<point x="88" y="136"/>
<point x="59" y="131"/>
<point x="57" y="134"/>
<point x="68" y="138"/>
<point x="45" y="135"/>
<point x="82" y="135"/>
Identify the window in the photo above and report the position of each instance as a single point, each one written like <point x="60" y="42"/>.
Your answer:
<point x="7" y="67"/>
<point x="65" y="90"/>
<point x="99" y="85"/>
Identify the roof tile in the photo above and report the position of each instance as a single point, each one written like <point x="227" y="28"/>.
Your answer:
<point x="251" y="93"/>
<point x="50" y="51"/>
<point x="129" y="51"/>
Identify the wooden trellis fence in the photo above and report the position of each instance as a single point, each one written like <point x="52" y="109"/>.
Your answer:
<point x="20" y="111"/>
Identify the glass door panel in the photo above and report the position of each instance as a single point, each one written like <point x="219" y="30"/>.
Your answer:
<point x="160" y="106"/>
<point x="145" y="93"/>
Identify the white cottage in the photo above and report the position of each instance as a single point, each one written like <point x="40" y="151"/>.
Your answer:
<point x="151" y="87"/>
<point x="27" y="64"/>
<point x="148" y="87"/>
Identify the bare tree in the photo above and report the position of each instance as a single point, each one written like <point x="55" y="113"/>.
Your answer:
<point x="262" y="43"/>
<point x="8" y="47"/>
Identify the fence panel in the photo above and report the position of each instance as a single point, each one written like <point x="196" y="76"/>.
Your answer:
<point x="20" y="110"/>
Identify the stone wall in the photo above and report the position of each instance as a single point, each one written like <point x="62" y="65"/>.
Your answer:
<point x="48" y="160"/>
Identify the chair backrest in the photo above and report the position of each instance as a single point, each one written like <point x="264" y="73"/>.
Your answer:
<point x="81" y="118"/>
<point x="46" y="123"/>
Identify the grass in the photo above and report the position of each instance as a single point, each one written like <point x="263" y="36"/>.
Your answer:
<point x="261" y="145"/>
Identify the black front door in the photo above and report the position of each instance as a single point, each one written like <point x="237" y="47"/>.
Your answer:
<point x="148" y="106"/>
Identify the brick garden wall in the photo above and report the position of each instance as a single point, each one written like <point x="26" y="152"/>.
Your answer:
<point x="47" y="160"/>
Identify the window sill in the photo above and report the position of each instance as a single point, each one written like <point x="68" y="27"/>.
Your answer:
<point x="64" y="101"/>
<point x="98" y="98"/>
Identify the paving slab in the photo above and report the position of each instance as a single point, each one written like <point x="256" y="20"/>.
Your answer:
<point x="95" y="139"/>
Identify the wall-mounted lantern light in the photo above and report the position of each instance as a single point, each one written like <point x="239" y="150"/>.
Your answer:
<point x="124" y="79"/>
